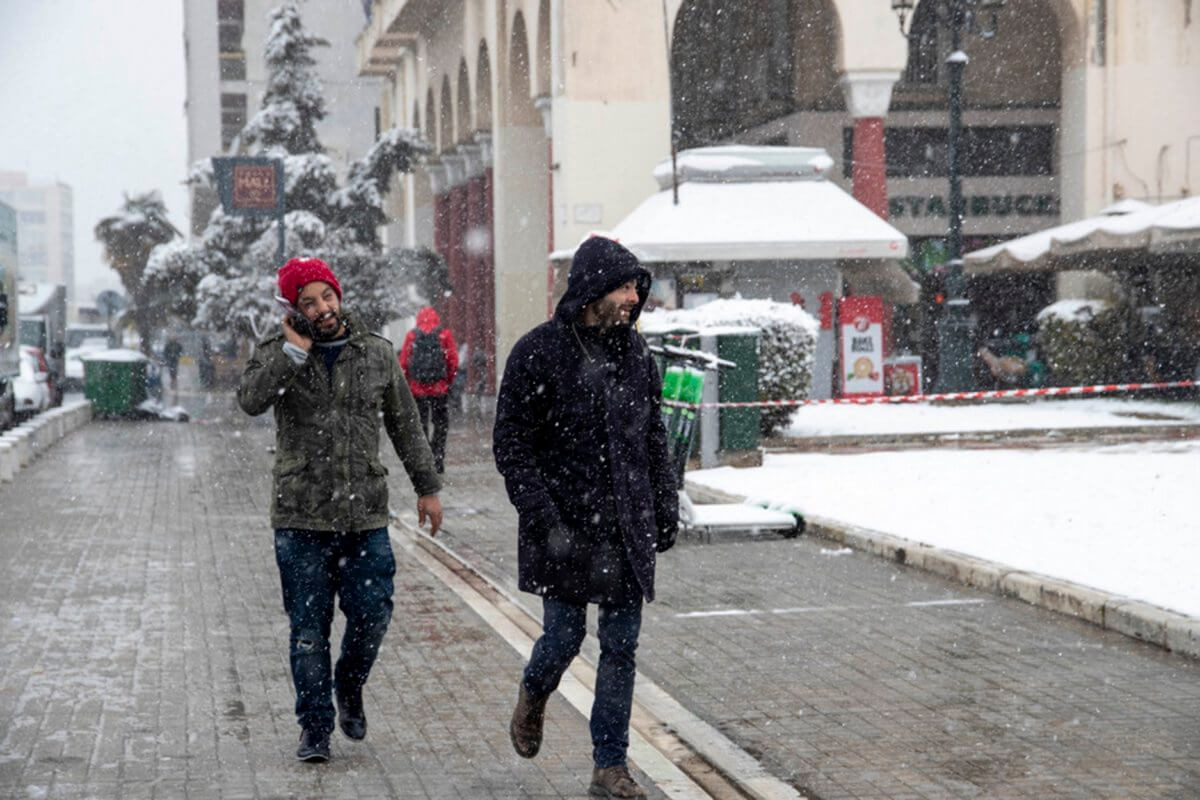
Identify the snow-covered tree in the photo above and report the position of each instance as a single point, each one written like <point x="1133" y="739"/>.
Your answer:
<point x="228" y="275"/>
<point x="129" y="237"/>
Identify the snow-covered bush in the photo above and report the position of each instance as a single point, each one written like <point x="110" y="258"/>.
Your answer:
<point x="1083" y="342"/>
<point x="786" y="346"/>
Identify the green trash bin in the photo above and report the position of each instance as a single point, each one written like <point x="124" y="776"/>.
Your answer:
<point x="115" y="381"/>
<point x="740" y="427"/>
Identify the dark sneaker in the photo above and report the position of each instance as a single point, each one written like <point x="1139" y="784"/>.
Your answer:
<point x="525" y="729"/>
<point x="352" y="719"/>
<point x="614" y="782"/>
<point x="314" y="746"/>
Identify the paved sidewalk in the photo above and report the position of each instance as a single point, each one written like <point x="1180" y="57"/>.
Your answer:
<point x="143" y="653"/>
<point x="852" y="676"/>
<point x="143" y="645"/>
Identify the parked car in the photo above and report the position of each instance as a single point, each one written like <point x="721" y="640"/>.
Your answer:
<point x="32" y="386"/>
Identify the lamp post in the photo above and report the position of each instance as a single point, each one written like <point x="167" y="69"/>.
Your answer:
<point x="954" y="328"/>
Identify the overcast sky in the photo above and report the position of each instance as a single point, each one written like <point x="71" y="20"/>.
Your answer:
<point x="92" y="94"/>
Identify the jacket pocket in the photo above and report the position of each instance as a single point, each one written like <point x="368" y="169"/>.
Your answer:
<point x="292" y="495"/>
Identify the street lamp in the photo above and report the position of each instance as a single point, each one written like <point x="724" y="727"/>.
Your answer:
<point x="954" y="328"/>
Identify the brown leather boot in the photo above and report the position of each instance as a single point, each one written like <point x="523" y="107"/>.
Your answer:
<point x="614" y="782"/>
<point x="525" y="730"/>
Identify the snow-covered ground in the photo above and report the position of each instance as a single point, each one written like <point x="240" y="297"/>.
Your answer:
<point x="1120" y="518"/>
<point x="1058" y="414"/>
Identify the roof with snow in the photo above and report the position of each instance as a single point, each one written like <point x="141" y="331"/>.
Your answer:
<point x="740" y="203"/>
<point x="1130" y="225"/>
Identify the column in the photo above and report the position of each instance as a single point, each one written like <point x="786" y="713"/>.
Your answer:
<point x="438" y="180"/>
<point x="544" y="104"/>
<point x="868" y="94"/>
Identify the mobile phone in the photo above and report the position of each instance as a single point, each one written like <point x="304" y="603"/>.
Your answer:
<point x="298" y="321"/>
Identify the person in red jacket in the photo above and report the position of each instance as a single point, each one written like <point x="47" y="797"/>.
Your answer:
<point x="429" y="359"/>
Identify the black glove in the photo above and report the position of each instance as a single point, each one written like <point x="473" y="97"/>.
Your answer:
<point x="666" y="539"/>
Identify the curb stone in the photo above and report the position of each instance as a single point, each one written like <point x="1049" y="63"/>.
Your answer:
<point x="1134" y="618"/>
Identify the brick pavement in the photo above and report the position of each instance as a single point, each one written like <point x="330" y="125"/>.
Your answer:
<point x="143" y="646"/>
<point x="142" y="654"/>
<point x="853" y="677"/>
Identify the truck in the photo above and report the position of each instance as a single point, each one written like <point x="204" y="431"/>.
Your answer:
<point x="10" y="348"/>
<point x="43" y="324"/>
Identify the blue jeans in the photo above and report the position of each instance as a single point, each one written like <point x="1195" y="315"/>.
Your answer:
<point x="357" y="566"/>
<point x="564" y="626"/>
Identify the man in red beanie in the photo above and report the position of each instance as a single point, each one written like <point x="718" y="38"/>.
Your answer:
<point x="330" y="383"/>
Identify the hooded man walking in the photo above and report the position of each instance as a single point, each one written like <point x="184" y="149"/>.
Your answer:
<point x="581" y="445"/>
<point x="429" y="358"/>
<point x="330" y="383"/>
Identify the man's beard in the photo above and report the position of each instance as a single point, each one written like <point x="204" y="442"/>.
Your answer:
<point x="609" y="315"/>
<point x="319" y="332"/>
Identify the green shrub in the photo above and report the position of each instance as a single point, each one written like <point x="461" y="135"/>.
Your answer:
<point x="1083" y="342"/>
<point x="786" y="346"/>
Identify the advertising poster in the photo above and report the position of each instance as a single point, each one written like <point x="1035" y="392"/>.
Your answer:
<point x="861" y="328"/>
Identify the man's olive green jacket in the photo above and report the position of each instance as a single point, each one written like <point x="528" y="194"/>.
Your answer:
<point x="328" y="476"/>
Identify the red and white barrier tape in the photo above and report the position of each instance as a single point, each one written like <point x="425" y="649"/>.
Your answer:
<point x="1049" y="391"/>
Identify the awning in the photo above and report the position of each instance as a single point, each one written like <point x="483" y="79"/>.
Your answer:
<point x="741" y="203"/>
<point x="1128" y="227"/>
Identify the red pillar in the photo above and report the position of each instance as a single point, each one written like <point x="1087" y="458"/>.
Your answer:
<point x="458" y="278"/>
<point x="441" y="243"/>
<point x="473" y="334"/>
<point x="869" y="172"/>
<point x="488" y="310"/>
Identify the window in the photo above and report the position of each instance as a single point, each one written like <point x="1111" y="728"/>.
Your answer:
<point x="233" y="117"/>
<point x="231" y="24"/>
<point x="1001" y="150"/>
<point x="924" y="54"/>
<point x="233" y="66"/>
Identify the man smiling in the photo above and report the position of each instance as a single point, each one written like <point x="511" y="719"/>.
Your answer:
<point x="329" y="505"/>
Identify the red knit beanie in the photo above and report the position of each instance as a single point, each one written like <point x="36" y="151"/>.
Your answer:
<point x="299" y="271"/>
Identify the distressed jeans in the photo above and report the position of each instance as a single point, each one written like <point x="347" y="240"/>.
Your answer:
<point x="563" y="629"/>
<point x="358" y="567"/>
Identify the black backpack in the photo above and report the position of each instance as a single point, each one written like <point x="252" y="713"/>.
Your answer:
<point x="427" y="363"/>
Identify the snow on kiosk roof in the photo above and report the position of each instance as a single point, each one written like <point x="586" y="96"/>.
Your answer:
<point x="742" y="203"/>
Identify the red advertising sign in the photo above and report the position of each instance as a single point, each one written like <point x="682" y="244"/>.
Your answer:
<point x="861" y="327"/>
<point x="254" y="187"/>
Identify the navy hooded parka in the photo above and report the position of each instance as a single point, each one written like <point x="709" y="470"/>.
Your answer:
<point x="580" y="442"/>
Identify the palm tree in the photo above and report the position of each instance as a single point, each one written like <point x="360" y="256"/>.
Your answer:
<point x="128" y="238"/>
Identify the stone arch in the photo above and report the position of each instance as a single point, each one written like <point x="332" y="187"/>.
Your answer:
<point x="483" y="88"/>
<point x="463" y="106"/>
<point x="446" y="120"/>
<point x="736" y="64"/>
<point x="520" y="104"/>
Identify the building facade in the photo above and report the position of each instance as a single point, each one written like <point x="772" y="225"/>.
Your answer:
<point x="226" y="78"/>
<point x="45" y="229"/>
<point x="548" y="117"/>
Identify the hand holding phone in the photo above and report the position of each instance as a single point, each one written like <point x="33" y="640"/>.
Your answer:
<point x="296" y="322"/>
